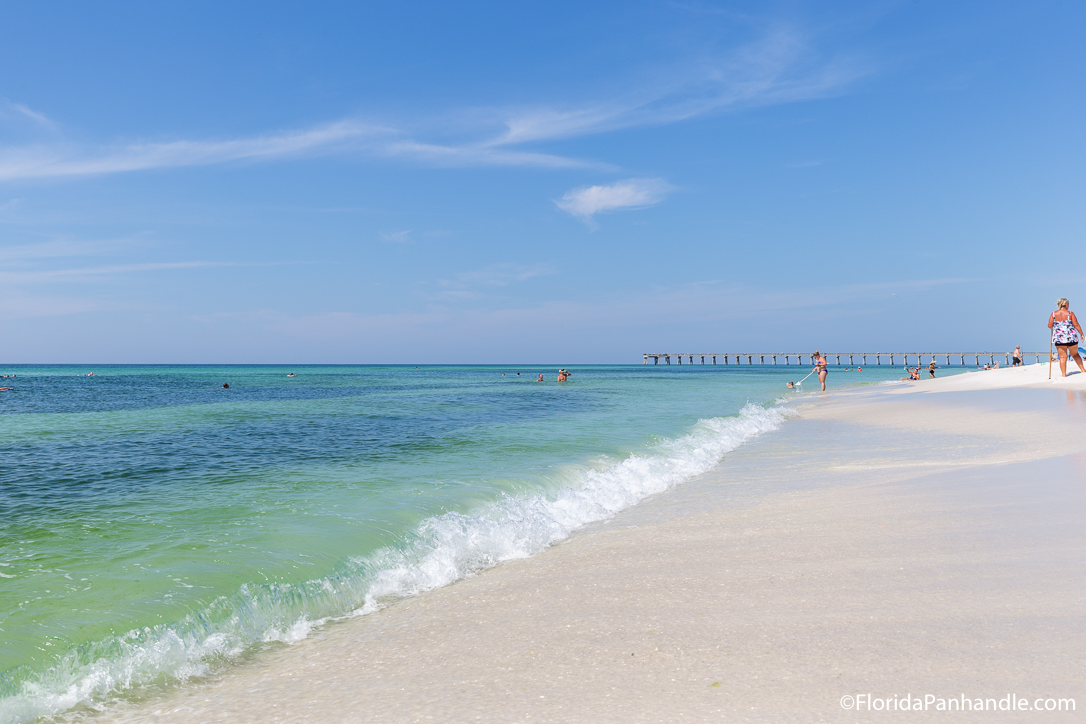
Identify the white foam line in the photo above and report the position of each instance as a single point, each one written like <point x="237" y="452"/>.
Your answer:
<point x="443" y="549"/>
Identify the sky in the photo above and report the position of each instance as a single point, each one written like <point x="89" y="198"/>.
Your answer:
<point x="523" y="182"/>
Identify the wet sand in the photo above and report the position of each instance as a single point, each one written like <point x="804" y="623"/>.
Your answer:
<point x="913" y="539"/>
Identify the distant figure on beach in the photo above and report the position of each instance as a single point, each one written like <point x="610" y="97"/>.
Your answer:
<point x="821" y="365"/>
<point x="226" y="385"/>
<point x="931" y="369"/>
<point x="1016" y="356"/>
<point x="1066" y="334"/>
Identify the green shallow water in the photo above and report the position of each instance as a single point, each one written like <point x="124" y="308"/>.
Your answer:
<point x="147" y="509"/>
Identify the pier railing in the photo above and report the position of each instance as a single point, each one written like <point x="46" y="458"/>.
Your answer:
<point x="853" y="358"/>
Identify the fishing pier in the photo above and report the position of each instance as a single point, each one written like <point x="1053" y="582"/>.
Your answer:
<point x="852" y="358"/>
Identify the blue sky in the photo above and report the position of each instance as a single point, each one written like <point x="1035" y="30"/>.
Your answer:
<point x="535" y="182"/>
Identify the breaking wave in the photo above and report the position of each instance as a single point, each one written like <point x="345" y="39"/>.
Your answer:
<point x="440" y="550"/>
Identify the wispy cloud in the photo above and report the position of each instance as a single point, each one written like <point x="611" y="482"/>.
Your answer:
<point x="780" y="67"/>
<point x="634" y="193"/>
<point x="62" y="248"/>
<point x="499" y="275"/>
<point x="40" y="118"/>
<point x="46" y="161"/>
<point x="398" y="237"/>
<point x="51" y="275"/>
<point x="481" y="283"/>
<point x="479" y="154"/>
<point x="9" y="109"/>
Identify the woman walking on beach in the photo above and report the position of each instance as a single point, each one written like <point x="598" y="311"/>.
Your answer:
<point x="1066" y="333"/>
<point x="820" y="366"/>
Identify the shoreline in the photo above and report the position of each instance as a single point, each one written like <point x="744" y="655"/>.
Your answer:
<point x="882" y="542"/>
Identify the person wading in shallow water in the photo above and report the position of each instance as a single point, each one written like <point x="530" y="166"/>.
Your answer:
<point x="1066" y="334"/>
<point x="821" y="365"/>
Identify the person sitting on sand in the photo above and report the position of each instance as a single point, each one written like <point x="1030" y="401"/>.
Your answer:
<point x="1066" y="334"/>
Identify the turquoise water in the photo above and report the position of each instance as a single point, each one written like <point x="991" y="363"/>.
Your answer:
<point x="157" y="526"/>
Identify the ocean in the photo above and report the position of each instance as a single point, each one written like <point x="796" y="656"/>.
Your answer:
<point x="159" y="527"/>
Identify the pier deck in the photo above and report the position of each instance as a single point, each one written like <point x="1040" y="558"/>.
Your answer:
<point x="891" y="358"/>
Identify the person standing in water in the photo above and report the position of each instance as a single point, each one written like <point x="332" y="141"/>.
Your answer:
<point x="1066" y="334"/>
<point x="821" y="366"/>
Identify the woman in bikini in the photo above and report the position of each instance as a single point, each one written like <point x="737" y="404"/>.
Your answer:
<point x="1066" y="334"/>
<point x="820" y="366"/>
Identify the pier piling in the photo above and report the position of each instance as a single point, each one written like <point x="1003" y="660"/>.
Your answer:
<point x="725" y="358"/>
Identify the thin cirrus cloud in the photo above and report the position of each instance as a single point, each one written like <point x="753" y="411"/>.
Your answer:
<point x="634" y="193"/>
<point x="469" y="285"/>
<point x="499" y="275"/>
<point x="91" y="273"/>
<point x="780" y="67"/>
<point x="398" y="237"/>
<point x="18" y="111"/>
<point x="48" y="161"/>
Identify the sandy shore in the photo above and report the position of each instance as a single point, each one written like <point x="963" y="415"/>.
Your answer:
<point x="913" y="539"/>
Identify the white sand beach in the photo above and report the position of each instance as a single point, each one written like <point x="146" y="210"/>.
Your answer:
<point x="915" y="539"/>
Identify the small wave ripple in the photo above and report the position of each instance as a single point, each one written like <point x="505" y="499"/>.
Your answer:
<point x="441" y="550"/>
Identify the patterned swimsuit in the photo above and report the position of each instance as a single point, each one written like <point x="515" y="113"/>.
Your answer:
<point x="1064" y="332"/>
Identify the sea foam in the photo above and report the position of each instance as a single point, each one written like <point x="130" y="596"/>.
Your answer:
<point x="441" y="550"/>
